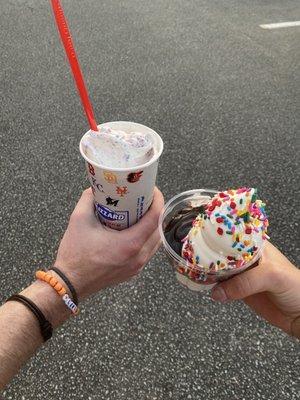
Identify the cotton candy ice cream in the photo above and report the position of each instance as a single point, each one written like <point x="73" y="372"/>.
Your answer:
<point x="118" y="149"/>
<point x="229" y="233"/>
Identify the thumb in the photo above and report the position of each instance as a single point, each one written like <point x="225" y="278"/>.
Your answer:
<point x="253" y="281"/>
<point x="84" y="210"/>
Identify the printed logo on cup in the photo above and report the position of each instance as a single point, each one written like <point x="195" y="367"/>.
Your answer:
<point x="96" y="185"/>
<point x="104" y="213"/>
<point x="111" y="202"/>
<point x="134" y="176"/>
<point x="140" y="207"/>
<point x="110" y="177"/>
<point x="122" y="190"/>
<point x="91" y="169"/>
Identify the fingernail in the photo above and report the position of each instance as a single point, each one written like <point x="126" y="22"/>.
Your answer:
<point x="219" y="294"/>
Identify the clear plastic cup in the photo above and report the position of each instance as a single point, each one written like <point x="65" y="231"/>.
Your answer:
<point x="192" y="276"/>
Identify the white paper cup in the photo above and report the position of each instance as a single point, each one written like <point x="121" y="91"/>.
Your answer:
<point x="123" y="195"/>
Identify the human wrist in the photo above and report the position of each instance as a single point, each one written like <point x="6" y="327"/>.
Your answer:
<point x="48" y="301"/>
<point x="75" y="276"/>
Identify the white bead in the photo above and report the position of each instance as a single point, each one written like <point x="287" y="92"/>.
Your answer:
<point x="70" y="304"/>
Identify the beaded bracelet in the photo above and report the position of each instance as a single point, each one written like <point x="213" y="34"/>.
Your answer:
<point x="68" y="284"/>
<point x="59" y="288"/>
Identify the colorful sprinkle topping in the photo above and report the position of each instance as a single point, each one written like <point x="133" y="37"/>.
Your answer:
<point x="229" y="233"/>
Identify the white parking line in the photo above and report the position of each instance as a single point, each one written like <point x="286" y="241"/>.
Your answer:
<point x="280" y="25"/>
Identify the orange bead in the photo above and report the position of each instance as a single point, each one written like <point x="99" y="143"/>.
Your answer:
<point x="53" y="281"/>
<point x="62" y="291"/>
<point x="58" y="287"/>
<point x="47" y="278"/>
<point x="40" y="275"/>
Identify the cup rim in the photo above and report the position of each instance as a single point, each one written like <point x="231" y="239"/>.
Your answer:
<point x="183" y="261"/>
<point x="127" y="169"/>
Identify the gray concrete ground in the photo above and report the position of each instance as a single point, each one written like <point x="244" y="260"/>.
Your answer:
<point x="222" y="92"/>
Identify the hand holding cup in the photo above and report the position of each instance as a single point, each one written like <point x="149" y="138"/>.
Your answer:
<point x="94" y="257"/>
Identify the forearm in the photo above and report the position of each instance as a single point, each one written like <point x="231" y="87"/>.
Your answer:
<point x="20" y="331"/>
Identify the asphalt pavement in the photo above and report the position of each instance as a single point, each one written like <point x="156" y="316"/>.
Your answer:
<point x="223" y="94"/>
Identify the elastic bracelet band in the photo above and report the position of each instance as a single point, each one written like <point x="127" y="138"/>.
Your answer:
<point x="45" y="325"/>
<point x="58" y="287"/>
<point x="68" y="284"/>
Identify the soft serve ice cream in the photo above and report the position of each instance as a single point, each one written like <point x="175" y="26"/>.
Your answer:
<point x="229" y="233"/>
<point x="118" y="149"/>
